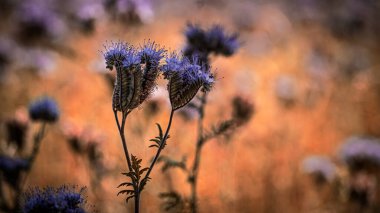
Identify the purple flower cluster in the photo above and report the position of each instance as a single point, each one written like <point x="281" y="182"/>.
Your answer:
<point x="136" y="72"/>
<point x="138" y="69"/>
<point x="52" y="200"/>
<point x="320" y="167"/>
<point x="359" y="152"/>
<point x="215" y="40"/>
<point x="189" y="71"/>
<point x="11" y="169"/>
<point x="44" y="109"/>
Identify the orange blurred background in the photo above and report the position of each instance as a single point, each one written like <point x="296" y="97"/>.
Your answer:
<point x="258" y="168"/>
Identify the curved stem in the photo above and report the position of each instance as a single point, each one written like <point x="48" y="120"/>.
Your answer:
<point x="161" y="146"/>
<point x="122" y="136"/>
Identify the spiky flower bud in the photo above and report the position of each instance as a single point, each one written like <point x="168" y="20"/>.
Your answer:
<point x="186" y="77"/>
<point x="136" y="73"/>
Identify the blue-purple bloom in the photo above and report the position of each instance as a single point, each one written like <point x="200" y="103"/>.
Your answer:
<point x="151" y="53"/>
<point x="116" y="53"/>
<point x="11" y="168"/>
<point x="185" y="77"/>
<point x="44" y="109"/>
<point x="136" y="72"/>
<point x="220" y="42"/>
<point x="202" y="43"/>
<point x="360" y="152"/>
<point x="54" y="200"/>
<point x="319" y="167"/>
<point x="190" y="71"/>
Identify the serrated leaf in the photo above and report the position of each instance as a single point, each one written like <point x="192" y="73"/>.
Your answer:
<point x="125" y="184"/>
<point x="160" y="133"/>
<point x="155" y="140"/>
<point x="143" y="170"/>
<point x="126" y="191"/>
<point x="129" y="197"/>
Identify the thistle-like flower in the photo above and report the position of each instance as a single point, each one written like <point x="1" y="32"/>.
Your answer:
<point x="44" y="109"/>
<point x="50" y="200"/>
<point x="186" y="77"/>
<point x="136" y="73"/>
<point x="215" y="40"/>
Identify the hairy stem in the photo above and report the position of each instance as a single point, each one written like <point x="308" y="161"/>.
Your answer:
<point x="122" y="136"/>
<point x="193" y="176"/>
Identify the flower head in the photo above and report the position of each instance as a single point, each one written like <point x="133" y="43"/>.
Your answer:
<point x="151" y="53"/>
<point x="136" y="73"/>
<point x="50" y="200"/>
<point x="361" y="152"/>
<point x="116" y="53"/>
<point x="202" y="43"/>
<point x="320" y="167"/>
<point x="220" y="42"/>
<point x="185" y="77"/>
<point x="12" y="168"/>
<point x="44" y="109"/>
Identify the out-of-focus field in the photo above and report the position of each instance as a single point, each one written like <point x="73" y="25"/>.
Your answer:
<point x="258" y="169"/>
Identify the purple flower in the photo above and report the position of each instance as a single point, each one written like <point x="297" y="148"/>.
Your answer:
<point x="220" y="42"/>
<point x="52" y="200"/>
<point x="116" y="53"/>
<point x="11" y="169"/>
<point x="185" y="77"/>
<point x="151" y="53"/>
<point x="202" y="43"/>
<point x="320" y="167"/>
<point x="136" y="73"/>
<point x="361" y="152"/>
<point x="44" y="109"/>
